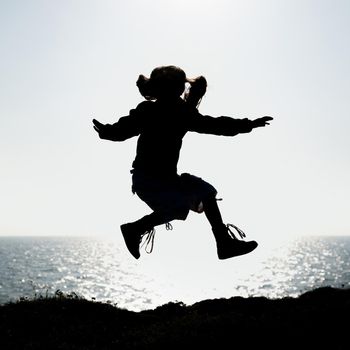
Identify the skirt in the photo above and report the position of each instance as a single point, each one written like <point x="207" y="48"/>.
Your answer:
<point x="173" y="196"/>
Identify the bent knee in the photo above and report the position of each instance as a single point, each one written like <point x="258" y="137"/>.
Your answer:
<point x="180" y="215"/>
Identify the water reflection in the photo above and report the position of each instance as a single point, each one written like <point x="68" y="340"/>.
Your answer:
<point x="99" y="269"/>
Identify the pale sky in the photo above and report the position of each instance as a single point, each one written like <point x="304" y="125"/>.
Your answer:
<point x="66" y="62"/>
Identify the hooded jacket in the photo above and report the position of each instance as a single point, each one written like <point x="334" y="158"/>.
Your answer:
<point x="161" y="126"/>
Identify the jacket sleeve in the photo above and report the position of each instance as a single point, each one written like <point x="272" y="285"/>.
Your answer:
<point x="223" y="126"/>
<point x="126" y="127"/>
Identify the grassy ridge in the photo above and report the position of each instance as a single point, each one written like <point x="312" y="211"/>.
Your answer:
<point x="315" y="320"/>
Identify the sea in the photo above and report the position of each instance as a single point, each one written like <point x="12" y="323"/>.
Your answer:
<point x="100" y="269"/>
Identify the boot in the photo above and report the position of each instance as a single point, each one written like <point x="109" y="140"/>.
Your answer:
<point x="228" y="245"/>
<point x="133" y="234"/>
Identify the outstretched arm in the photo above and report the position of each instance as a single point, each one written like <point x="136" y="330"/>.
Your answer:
<point x="225" y="126"/>
<point x="123" y="129"/>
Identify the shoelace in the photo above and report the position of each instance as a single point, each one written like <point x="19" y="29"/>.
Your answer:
<point x="150" y="235"/>
<point x="169" y="226"/>
<point x="149" y="241"/>
<point x="240" y="232"/>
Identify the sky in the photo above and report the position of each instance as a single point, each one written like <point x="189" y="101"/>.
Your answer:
<point x="66" y="62"/>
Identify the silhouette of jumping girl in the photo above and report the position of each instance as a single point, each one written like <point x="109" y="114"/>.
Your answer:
<point x="160" y="123"/>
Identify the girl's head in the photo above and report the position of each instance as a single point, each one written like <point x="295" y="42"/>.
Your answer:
<point x="169" y="82"/>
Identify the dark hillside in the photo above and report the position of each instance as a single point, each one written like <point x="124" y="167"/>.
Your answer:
<point x="316" y="320"/>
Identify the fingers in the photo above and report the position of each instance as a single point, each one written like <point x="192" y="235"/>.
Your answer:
<point x="267" y="118"/>
<point x="97" y="123"/>
<point x="261" y="122"/>
<point x="264" y="120"/>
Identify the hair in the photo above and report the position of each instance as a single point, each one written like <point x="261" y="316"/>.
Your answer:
<point x="198" y="87"/>
<point x="170" y="81"/>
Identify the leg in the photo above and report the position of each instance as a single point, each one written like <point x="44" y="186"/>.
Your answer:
<point x="212" y="212"/>
<point x="227" y="246"/>
<point x="148" y="222"/>
<point x="134" y="231"/>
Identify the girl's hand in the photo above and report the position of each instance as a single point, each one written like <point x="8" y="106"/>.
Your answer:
<point x="97" y="125"/>
<point x="102" y="129"/>
<point x="260" y="122"/>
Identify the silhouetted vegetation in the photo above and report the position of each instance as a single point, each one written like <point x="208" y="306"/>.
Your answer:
<point x="315" y="320"/>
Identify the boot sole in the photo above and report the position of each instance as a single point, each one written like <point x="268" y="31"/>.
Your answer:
<point x="133" y="252"/>
<point x="239" y="252"/>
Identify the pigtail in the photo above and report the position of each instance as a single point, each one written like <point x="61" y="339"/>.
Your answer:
<point x="198" y="87"/>
<point x="144" y="85"/>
